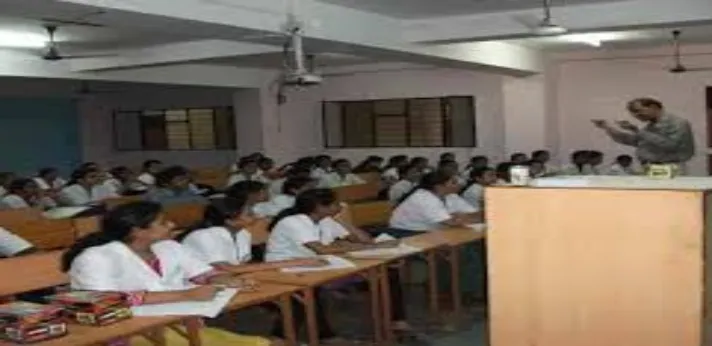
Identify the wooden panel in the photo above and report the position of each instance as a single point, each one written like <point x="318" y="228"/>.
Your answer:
<point x="373" y="177"/>
<point x="185" y="215"/>
<point x="112" y="203"/>
<point x="43" y="233"/>
<point x="370" y="213"/>
<point x="590" y="267"/>
<point x="356" y="193"/>
<point x="216" y="177"/>
<point x="38" y="271"/>
<point x="86" y="225"/>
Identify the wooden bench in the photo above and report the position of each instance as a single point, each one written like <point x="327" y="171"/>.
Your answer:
<point x="112" y="203"/>
<point x="357" y="193"/>
<point x="44" y="234"/>
<point x="215" y="177"/>
<point x="371" y="178"/>
<point x="184" y="215"/>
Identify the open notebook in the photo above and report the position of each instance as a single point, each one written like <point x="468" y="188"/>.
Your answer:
<point x="208" y="309"/>
<point x="335" y="262"/>
<point x="400" y="250"/>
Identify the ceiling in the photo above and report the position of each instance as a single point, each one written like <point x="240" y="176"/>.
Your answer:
<point x="414" y="9"/>
<point x="274" y="60"/>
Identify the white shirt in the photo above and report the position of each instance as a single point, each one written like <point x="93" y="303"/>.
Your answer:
<point x="391" y="174"/>
<point x="474" y="195"/>
<point x="333" y="180"/>
<point x="287" y="238"/>
<point x="76" y="195"/>
<point x="115" y="267"/>
<point x="43" y="185"/>
<point x="274" y="206"/>
<point x="238" y="177"/>
<point x="3" y="191"/>
<point x="11" y="244"/>
<point x="219" y="244"/>
<point x="275" y="186"/>
<point x="147" y="179"/>
<point x="616" y="169"/>
<point x="319" y="173"/>
<point x="14" y="202"/>
<point x="400" y="189"/>
<point x="424" y="211"/>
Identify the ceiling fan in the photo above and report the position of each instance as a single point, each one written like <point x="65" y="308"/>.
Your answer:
<point x="678" y="66"/>
<point x="52" y="51"/>
<point x="544" y="26"/>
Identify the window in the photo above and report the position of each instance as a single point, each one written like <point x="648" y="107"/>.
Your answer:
<point x="175" y="129"/>
<point x="417" y="122"/>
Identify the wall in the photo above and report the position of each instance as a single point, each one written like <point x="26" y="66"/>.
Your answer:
<point x="97" y="124"/>
<point x="597" y="86"/>
<point x="525" y="114"/>
<point x="295" y="129"/>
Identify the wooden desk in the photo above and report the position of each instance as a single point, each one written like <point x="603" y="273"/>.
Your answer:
<point x="308" y="282"/>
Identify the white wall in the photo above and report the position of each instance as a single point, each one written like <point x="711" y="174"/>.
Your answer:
<point x="300" y="132"/>
<point x="525" y="114"/>
<point x="594" y="86"/>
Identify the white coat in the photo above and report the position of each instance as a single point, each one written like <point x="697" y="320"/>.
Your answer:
<point x="220" y="245"/>
<point x="115" y="267"/>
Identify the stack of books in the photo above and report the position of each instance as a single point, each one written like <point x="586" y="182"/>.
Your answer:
<point x="93" y="308"/>
<point x="24" y="322"/>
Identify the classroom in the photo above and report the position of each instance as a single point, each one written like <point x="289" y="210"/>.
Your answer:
<point x="343" y="172"/>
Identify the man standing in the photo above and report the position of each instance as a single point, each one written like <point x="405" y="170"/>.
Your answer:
<point x="665" y="139"/>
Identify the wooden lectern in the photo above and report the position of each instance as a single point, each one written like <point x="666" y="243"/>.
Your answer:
<point x="601" y="262"/>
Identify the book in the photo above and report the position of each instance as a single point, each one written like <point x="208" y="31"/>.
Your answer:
<point x="93" y="308"/>
<point x="24" y="322"/>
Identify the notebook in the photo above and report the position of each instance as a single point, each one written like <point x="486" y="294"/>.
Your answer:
<point x="207" y="309"/>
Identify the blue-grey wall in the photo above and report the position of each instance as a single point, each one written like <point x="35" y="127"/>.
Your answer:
<point x="39" y="132"/>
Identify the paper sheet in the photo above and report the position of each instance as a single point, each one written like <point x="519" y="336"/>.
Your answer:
<point x="335" y="262"/>
<point x="207" y="309"/>
<point x="400" y="250"/>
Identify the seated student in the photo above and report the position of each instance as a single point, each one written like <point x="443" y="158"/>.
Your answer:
<point x="24" y="193"/>
<point x="149" y="170"/>
<point x="6" y="179"/>
<point x="448" y="156"/>
<point x="341" y="176"/>
<point x="543" y="156"/>
<point x="410" y="178"/>
<point x="579" y="164"/>
<point x="595" y="159"/>
<point x="173" y="187"/>
<point x="371" y="164"/>
<point x="519" y="159"/>
<point x="452" y="168"/>
<point x="536" y="169"/>
<point x="247" y="171"/>
<point x="622" y="166"/>
<point x="84" y="188"/>
<point x="12" y="245"/>
<point x="48" y="179"/>
<point x="475" y="162"/>
<point x="276" y="186"/>
<point x="422" y="163"/>
<point x="390" y="172"/>
<point x="252" y="192"/>
<point x="433" y="204"/>
<point x="124" y="182"/>
<point x="291" y="188"/>
<point x="267" y="169"/>
<point x="133" y="253"/>
<point x="504" y="175"/>
<point x="300" y="232"/>
<point x="322" y="167"/>
<point x="222" y="240"/>
<point x="474" y="193"/>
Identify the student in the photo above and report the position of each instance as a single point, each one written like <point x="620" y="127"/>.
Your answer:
<point x="448" y="156"/>
<point x="474" y="192"/>
<point x="579" y="164"/>
<point x="341" y="176"/>
<point x="422" y="163"/>
<point x="432" y="205"/>
<point x="222" y="240"/>
<point x="390" y="172"/>
<point x="322" y="168"/>
<point x="5" y="179"/>
<point x="475" y="162"/>
<point x="133" y="254"/>
<point x="124" y="182"/>
<point x="252" y="192"/>
<point x="84" y="188"/>
<point x="595" y="159"/>
<point x="173" y="187"/>
<point x="410" y="177"/>
<point x="150" y="169"/>
<point x="452" y="169"/>
<point x="519" y="159"/>
<point x="543" y="156"/>
<point x="300" y="232"/>
<point x="48" y="179"/>
<point x="622" y="166"/>
<point x="267" y="169"/>
<point x="504" y="175"/>
<point x="248" y="170"/>
<point x="12" y="245"/>
<point x="276" y="186"/>
<point x="291" y="188"/>
<point x="371" y="164"/>
<point x="24" y="193"/>
<point x="536" y="169"/>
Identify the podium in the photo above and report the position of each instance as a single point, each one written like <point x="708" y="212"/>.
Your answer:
<point x="601" y="261"/>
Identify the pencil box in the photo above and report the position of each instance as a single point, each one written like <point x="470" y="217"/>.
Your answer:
<point x="92" y="308"/>
<point x="24" y="322"/>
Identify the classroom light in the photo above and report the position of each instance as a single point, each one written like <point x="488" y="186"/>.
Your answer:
<point x="591" y="39"/>
<point x="16" y="39"/>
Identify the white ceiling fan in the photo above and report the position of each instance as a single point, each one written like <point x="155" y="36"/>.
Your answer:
<point x="544" y="26"/>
